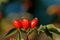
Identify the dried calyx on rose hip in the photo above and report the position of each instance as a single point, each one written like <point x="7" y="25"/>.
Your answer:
<point x="34" y="22"/>
<point x="25" y="23"/>
<point x="17" y="24"/>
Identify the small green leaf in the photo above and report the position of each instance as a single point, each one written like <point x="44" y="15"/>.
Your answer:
<point x="54" y="31"/>
<point x="11" y="32"/>
<point x="49" y="26"/>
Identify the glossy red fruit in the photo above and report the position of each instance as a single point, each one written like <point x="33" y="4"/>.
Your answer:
<point x="34" y="23"/>
<point x="25" y="23"/>
<point x="17" y="24"/>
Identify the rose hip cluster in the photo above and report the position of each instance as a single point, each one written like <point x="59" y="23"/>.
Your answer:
<point x="25" y="23"/>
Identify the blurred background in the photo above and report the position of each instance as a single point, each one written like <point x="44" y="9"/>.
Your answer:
<point x="44" y="10"/>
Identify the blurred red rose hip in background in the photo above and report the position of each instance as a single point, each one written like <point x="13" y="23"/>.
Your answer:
<point x="58" y="11"/>
<point x="28" y="4"/>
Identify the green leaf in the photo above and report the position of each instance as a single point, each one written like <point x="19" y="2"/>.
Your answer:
<point x="54" y="31"/>
<point x="11" y="32"/>
<point x="49" y="26"/>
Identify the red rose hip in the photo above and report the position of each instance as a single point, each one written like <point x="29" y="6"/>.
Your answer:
<point x="17" y="24"/>
<point x="34" y="22"/>
<point x="25" y="23"/>
<point x="28" y="4"/>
